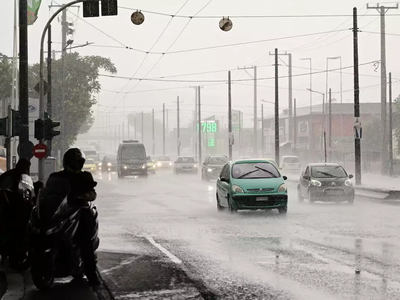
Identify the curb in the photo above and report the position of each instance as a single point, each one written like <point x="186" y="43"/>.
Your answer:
<point x="104" y="292"/>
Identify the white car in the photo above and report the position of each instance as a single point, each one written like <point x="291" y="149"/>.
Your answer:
<point x="290" y="164"/>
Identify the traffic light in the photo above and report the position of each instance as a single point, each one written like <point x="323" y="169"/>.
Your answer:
<point x="49" y="132"/>
<point x="3" y="126"/>
<point x="39" y="126"/>
<point x="16" y="123"/>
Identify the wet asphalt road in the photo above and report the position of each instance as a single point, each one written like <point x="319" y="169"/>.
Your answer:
<point x="320" y="251"/>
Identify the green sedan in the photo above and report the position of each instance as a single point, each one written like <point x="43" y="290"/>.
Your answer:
<point x="251" y="184"/>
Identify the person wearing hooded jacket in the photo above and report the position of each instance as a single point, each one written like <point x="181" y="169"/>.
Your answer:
<point x="82" y="191"/>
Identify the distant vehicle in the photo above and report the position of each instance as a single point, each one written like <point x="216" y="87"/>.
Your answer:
<point x="3" y="159"/>
<point x="109" y="163"/>
<point x="164" y="162"/>
<point x="290" y="164"/>
<point x="151" y="165"/>
<point x="250" y="185"/>
<point x="131" y="159"/>
<point x="89" y="150"/>
<point x="185" y="165"/>
<point x="212" y="167"/>
<point x="325" y="182"/>
<point x="90" y="165"/>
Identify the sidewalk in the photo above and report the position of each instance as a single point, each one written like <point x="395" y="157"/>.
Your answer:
<point x="380" y="181"/>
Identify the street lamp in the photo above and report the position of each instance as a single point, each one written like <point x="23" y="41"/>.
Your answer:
<point x="323" y="113"/>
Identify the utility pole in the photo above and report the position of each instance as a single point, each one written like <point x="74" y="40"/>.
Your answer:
<point x="357" y="150"/>
<point x="135" y="125"/>
<point x="295" y="125"/>
<point x="64" y="27"/>
<point x="178" y="136"/>
<point x="330" y="125"/>
<point x="23" y="80"/>
<point x="123" y="131"/>
<point x="390" y="127"/>
<point x="255" y="107"/>
<point x="262" y="130"/>
<point x="163" y="120"/>
<point x="290" y="101"/>
<point x="200" y="131"/>
<point x="49" y="107"/>
<point x="276" y="107"/>
<point x="384" y="153"/>
<point x="154" y="141"/>
<point x="230" y="139"/>
<point x="195" y="123"/>
<point x="311" y="134"/>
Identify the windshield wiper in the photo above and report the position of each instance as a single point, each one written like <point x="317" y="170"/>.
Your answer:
<point x="248" y="173"/>
<point x="326" y="174"/>
<point x="273" y="175"/>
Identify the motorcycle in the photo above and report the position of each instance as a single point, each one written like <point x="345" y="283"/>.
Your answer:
<point x="52" y="228"/>
<point x="16" y="207"/>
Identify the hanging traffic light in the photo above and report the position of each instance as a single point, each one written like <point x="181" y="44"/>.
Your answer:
<point x="3" y="126"/>
<point x="39" y="128"/>
<point x="16" y="123"/>
<point x="49" y="132"/>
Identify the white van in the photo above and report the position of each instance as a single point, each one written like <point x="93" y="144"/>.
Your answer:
<point x="290" y="163"/>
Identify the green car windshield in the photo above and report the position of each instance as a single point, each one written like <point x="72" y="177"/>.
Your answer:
<point x="254" y="171"/>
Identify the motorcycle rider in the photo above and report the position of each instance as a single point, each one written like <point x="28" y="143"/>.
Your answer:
<point x="82" y="191"/>
<point x="14" y="212"/>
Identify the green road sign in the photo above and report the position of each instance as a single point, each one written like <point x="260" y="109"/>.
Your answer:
<point x="211" y="142"/>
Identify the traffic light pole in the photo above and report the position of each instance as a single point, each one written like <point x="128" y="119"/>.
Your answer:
<point x="41" y="76"/>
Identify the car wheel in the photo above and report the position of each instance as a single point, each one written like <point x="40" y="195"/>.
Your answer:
<point x="310" y="198"/>
<point x="232" y="210"/>
<point x="219" y="207"/>
<point x="282" y="210"/>
<point x="299" y="196"/>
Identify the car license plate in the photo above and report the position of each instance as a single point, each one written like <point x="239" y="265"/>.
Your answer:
<point x="262" y="199"/>
<point x="334" y="192"/>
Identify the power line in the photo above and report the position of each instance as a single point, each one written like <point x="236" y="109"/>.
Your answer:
<point x="224" y="80"/>
<point x="246" y="17"/>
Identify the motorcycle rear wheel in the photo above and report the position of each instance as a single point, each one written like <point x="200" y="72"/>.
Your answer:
<point x="40" y="280"/>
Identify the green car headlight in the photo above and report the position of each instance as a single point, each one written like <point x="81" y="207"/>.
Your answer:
<point x="282" y="188"/>
<point x="237" y="189"/>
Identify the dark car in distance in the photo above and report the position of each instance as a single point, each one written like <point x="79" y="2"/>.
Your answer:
<point x="109" y="163"/>
<point x="327" y="182"/>
<point x="185" y="165"/>
<point x="212" y="167"/>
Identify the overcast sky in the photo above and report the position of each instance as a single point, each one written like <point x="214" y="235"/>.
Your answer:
<point x="204" y="32"/>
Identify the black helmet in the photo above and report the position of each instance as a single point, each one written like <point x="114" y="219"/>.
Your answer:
<point x="73" y="160"/>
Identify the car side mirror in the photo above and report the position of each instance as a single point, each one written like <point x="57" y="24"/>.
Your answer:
<point x="306" y="177"/>
<point x="284" y="177"/>
<point x="351" y="176"/>
<point x="223" y="179"/>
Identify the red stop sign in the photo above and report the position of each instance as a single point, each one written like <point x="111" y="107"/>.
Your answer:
<point x="40" y="151"/>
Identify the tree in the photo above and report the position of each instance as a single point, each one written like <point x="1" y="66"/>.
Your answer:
<point x="5" y="77"/>
<point x="81" y="84"/>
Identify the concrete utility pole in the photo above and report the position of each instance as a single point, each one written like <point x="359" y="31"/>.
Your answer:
<point x="200" y="131"/>
<point x="330" y="125"/>
<point x="142" y="127"/>
<point x="163" y="120"/>
<point x="262" y="130"/>
<point x="178" y="136"/>
<point x="152" y="127"/>
<point x="276" y="107"/>
<point x="195" y="123"/>
<point x="255" y="107"/>
<point x="390" y="127"/>
<point x="384" y="145"/>
<point x="64" y="27"/>
<point x="290" y="102"/>
<point x="295" y="124"/>
<point x="357" y="123"/>
<point x="23" y="80"/>
<point x="230" y="139"/>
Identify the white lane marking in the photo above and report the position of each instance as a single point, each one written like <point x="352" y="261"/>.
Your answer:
<point x="172" y="257"/>
<point x="15" y="288"/>
<point x="123" y="263"/>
